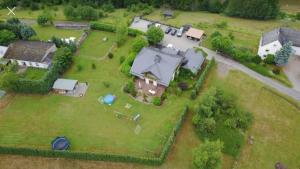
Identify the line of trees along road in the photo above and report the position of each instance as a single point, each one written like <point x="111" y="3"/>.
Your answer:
<point x="254" y="9"/>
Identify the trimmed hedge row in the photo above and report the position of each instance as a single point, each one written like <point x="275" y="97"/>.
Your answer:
<point x="102" y="157"/>
<point x="202" y="78"/>
<point x="112" y="28"/>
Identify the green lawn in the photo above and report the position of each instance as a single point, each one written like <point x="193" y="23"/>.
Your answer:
<point x="46" y="33"/>
<point x="247" y="32"/>
<point x="34" y="120"/>
<point x="34" y="73"/>
<point x="290" y="6"/>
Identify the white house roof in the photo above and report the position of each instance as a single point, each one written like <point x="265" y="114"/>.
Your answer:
<point x="3" y="50"/>
<point x="64" y="84"/>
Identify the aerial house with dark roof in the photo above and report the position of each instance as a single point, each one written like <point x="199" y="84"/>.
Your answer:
<point x="272" y="41"/>
<point x="35" y="54"/>
<point x="156" y="68"/>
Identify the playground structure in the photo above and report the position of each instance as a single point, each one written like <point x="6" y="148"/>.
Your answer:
<point x="60" y="143"/>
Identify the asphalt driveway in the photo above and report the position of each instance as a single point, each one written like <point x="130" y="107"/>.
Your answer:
<point x="180" y="43"/>
<point x="292" y="70"/>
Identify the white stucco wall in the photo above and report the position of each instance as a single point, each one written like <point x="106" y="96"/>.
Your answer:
<point x="270" y="48"/>
<point x="32" y="64"/>
<point x="297" y="50"/>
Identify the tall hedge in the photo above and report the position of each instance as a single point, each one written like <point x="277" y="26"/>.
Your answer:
<point x="103" y="157"/>
<point x="202" y="78"/>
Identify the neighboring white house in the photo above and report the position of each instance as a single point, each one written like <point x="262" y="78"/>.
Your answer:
<point x="31" y="53"/>
<point x="272" y="41"/>
<point x="3" y="50"/>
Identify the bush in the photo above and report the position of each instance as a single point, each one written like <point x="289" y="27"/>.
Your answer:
<point x="208" y="155"/>
<point x="108" y="7"/>
<point x="27" y="32"/>
<point x="94" y="66"/>
<point x="106" y="84"/>
<point x="126" y="65"/>
<point x="298" y="16"/>
<point x="222" y="44"/>
<point x="79" y="68"/>
<point x="194" y="94"/>
<point x="157" y="101"/>
<point x="215" y="34"/>
<point x="256" y="59"/>
<point x="13" y="21"/>
<point x="44" y="19"/>
<point x="34" y="6"/>
<point x="222" y="25"/>
<point x="103" y="26"/>
<point x="122" y="59"/>
<point x="82" y="12"/>
<point x="207" y="126"/>
<point x="276" y="70"/>
<point x="121" y="33"/>
<point x="130" y="89"/>
<point x="270" y="59"/>
<point x="6" y="37"/>
<point x="155" y="35"/>
<point x="110" y="55"/>
<point x="183" y="86"/>
<point x="139" y="43"/>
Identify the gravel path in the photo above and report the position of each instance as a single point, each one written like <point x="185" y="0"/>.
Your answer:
<point x="267" y="81"/>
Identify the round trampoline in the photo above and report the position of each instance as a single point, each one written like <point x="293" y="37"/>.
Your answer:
<point x="60" y="143"/>
<point x="109" y="99"/>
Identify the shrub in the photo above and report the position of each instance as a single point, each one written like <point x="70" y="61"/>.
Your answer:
<point x="194" y="94"/>
<point x="183" y="86"/>
<point x="157" y="101"/>
<point x="34" y="6"/>
<point x="121" y="33"/>
<point x="208" y="155"/>
<point x="298" y="16"/>
<point x="94" y="66"/>
<point x="6" y="37"/>
<point x="108" y="7"/>
<point x="79" y="68"/>
<point x="256" y="59"/>
<point x="138" y="44"/>
<point x="13" y="21"/>
<point x="110" y="55"/>
<point x="87" y="13"/>
<point x="27" y="32"/>
<point x="106" y="84"/>
<point x="276" y="70"/>
<point x="207" y="126"/>
<point x="222" y="25"/>
<point x="154" y="35"/>
<point x="44" y="19"/>
<point x="130" y="89"/>
<point x="215" y="34"/>
<point x="270" y="59"/>
<point x="103" y="26"/>
<point x="122" y="59"/>
<point x="222" y="44"/>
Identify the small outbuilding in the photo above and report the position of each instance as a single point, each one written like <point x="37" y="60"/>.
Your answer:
<point x="168" y="13"/>
<point x="63" y="86"/>
<point x="193" y="60"/>
<point x="195" y="34"/>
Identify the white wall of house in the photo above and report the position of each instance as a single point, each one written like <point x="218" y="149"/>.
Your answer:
<point x="297" y="50"/>
<point x="32" y="64"/>
<point x="270" y="48"/>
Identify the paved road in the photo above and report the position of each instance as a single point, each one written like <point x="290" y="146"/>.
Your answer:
<point x="268" y="81"/>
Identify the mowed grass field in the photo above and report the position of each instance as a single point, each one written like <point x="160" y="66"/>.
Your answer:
<point x="34" y="120"/>
<point x="290" y="6"/>
<point x="275" y="131"/>
<point x="247" y="32"/>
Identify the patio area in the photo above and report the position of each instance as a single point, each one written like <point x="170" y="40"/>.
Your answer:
<point x="149" y="89"/>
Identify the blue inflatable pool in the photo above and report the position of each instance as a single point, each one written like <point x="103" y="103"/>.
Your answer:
<point x="60" y="143"/>
<point x="109" y="99"/>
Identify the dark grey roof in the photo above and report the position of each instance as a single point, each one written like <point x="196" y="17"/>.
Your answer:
<point x="33" y="51"/>
<point x="283" y="35"/>
<point x="193" y="60"/>
<point x="160" y="64"/>
<point x="64" y="84"/>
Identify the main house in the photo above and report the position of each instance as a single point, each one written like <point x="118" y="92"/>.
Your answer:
<point x="36" y="54"/>
<point x="158" y="67"/>
<point x="272" y="41"/>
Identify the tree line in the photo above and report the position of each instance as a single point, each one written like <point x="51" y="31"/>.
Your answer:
<point x="254" y="9"/>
